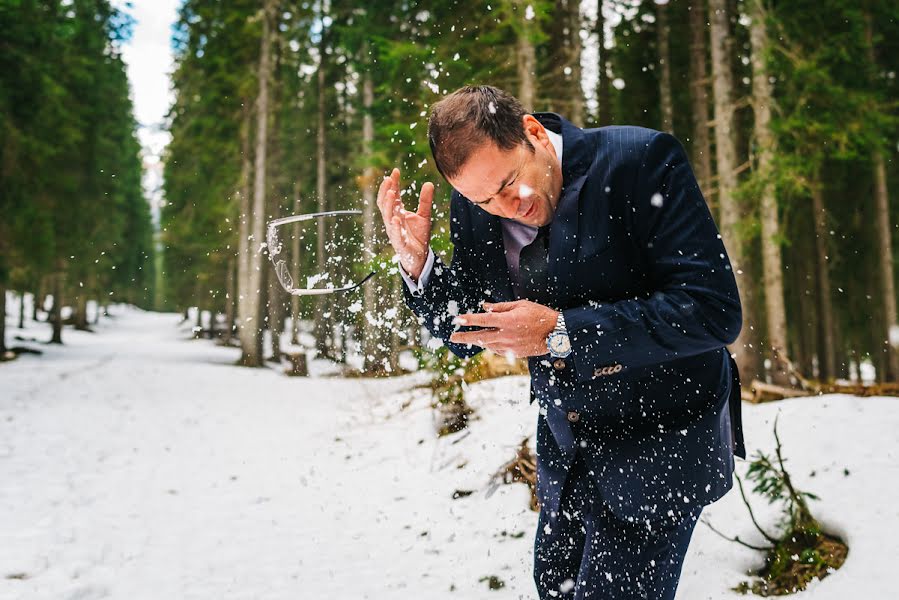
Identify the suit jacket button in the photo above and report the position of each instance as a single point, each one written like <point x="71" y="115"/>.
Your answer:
<point x="559" y="364"/>
<point x="573" y="417"/>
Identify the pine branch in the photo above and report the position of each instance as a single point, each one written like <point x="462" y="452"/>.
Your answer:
<point x="737" y="539"/>
<point x="796" y="498"/>
<point x="771" y="539"/>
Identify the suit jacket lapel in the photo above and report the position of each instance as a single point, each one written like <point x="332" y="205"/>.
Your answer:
<point x="563" y="237"/>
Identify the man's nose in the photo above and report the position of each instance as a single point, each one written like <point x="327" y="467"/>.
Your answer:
<point x="510" y="206"/>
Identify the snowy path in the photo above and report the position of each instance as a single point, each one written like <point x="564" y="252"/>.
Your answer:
<point x="136" y="463"/>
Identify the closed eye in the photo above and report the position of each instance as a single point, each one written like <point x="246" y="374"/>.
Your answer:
<point x="507" y="184"/>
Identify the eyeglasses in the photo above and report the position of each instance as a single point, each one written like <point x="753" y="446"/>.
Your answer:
<point x="282" y="270"/>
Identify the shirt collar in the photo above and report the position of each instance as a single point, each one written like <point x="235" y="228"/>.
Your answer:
<point x="556" y="140"/>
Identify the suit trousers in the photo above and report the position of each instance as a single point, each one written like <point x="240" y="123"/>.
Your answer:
<point x="586" y="552"/>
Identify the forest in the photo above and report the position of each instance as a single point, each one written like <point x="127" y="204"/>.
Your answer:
<point x="788" y="111"/>
<point x="152" y="444"/>
<point x="75" y="224"/>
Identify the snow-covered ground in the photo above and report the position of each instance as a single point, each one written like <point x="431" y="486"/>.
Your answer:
<point x="138" y="463"/>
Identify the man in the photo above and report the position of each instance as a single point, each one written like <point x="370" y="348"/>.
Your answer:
<point x="593" y="253"/>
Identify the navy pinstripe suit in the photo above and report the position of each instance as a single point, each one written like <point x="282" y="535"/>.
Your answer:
<point x="638" y="427"/>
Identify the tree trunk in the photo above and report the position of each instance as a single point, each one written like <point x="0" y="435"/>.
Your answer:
<point x="699" y="82"/>
<point x="246" y="332"/>
<point x="38" y="302"/>
<point x="526" y="58"/>
<point x="81" y="323"/>
<point x="604" y="85"/>
<point x="372" y="335"/>
<point x="873" y="330"/>
<point x="230" y="296"/>
<point x="772" y="263"/>
<point x="252" y="355"/>
<point x="275" y="306"/>
<point x="746" y="346"/>
<point x="322" y="322"/>
<point x="250" y="304"/>
<point x="22" y="310"/>
<point x="3" y="314"/>
<point x="804" y="294"/>
<point x="887" y="280"/>
<point x="662" y="34"/>
<point x="826" y="338"/>
<point x="55" y="315"/>
<point x="574" y="62"/>
<point x="808" y="309"/>
<point x="295" y="269"/>
<point x="885" y="244"/>
<point x="396" y="299"/>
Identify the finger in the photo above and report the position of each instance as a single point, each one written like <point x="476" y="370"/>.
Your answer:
<point x="394" y="181"/>
<point x="498" y="307"/>
<point x="382" y="189"/>
<point x="475" y="338"/>
<point x="386" y="205"/>
<point x="426" y="200"/>
<point x="479" y="320"/>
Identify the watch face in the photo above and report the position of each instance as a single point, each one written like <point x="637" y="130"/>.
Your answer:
<point x="559" y="343"/>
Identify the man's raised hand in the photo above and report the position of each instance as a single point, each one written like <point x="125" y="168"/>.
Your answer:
<point x="519" y="328"/>
<point x="409" y="232"/>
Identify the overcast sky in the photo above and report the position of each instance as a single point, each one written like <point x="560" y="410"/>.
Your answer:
<point x="149" y="58"/>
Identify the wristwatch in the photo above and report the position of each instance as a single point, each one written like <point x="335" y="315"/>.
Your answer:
<point x="558" y="343"/>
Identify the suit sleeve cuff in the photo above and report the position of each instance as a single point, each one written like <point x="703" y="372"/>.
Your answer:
<point x="417" y="289"/>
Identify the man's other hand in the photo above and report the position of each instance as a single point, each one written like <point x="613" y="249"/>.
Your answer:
<point x="409" y="232"/>
<point x="519" y="328"/>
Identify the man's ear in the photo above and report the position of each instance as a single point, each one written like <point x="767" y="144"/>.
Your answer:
<point x="535" y="131"/>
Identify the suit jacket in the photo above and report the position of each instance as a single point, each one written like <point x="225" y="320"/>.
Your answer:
<point x="649" y="394"/>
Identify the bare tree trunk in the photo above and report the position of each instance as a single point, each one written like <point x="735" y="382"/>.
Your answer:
<point x="251" y="328"/>
<point x="826" y="340"/>
<point x="80" y="317"/>
<point x="772" y="263"/>
<point x="604" y="85"/>
<point x="884" y="241"/>
<point x="396" y="299"/>
<point x="322" y="323"/>
<point x="3" y="314"/>
<point x="295" y="270"/>
<point x="662" y="34"/>
<point x="247" y="321"/>
<point x="275" y="314"/>
<point x="808" y="310"/>
<point x="746" y="346"/>
<point x="887" y="279"/>
<point x="526" y="58"/>
<point x="372" y="342"/>
<point x="230" y="295"/>
<point x="259" y="182"/>
<point x="574" y="62"/>
<point x="55" y="316"/>
<point x="40" y="297"/>
<point x="22" y="310"/>
<point x="699" y="82"/>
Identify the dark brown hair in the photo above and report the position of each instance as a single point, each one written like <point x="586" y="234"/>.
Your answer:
<point x="470" y="117"/>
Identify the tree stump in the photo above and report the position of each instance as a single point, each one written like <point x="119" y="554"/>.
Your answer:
<point x="298" y="366"/>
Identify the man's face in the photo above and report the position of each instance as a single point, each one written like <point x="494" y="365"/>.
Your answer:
<point x="514" y="184"/>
